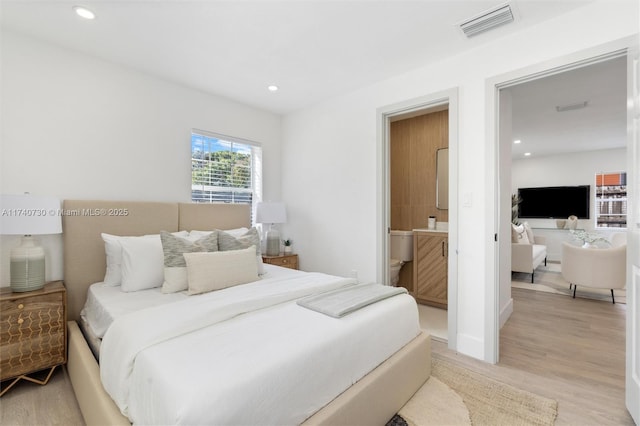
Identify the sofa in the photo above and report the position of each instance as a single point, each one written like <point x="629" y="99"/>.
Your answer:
<point x="527" y="251"/>
<point x="595" y="267"/>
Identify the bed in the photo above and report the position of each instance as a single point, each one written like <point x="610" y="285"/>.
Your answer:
<point x="375" y="392"/>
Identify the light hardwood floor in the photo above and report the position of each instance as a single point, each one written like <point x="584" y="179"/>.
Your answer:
<point x="570" y="350"/>
<point x="52" y="404"/>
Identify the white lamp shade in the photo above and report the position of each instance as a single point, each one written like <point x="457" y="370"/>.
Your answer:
<point x="271" y="212"/>
<point x="30" y="215"/>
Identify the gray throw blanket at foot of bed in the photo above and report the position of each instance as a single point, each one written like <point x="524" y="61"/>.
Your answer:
<point x="341" y="302"/>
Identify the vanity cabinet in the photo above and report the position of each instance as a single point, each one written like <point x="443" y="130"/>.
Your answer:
<point x="430" y="268"/>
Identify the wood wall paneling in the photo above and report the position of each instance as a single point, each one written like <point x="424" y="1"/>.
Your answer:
<point x="413" y="146"/>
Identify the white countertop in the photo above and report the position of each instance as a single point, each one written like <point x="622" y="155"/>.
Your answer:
<point x="441" y="227"/>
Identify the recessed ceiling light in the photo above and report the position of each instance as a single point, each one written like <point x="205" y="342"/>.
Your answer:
<point x="526" y="154"/>
<point x="517" y="141"/>
<point x="84" y="12"/>
<point x="273" y="88"/>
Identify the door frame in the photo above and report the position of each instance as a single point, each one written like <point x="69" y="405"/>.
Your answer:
<point x="493" y="86"/>
<point x="632" y="383"/>
<point x="383" y="222"/>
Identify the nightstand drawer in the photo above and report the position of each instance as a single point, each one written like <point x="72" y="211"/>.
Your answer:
<point x="32" y="331"/>
<point x="284" y="260"/>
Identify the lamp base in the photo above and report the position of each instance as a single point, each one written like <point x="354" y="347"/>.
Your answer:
<point x="273" y="242"/>
<point x="27" y="266"/>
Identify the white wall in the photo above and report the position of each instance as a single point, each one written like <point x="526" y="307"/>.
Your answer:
<point x="329" y="158"/>
<point x="74" y="126"/>
<point x="569" y="169"/>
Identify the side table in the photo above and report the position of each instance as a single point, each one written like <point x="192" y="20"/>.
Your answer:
<point x="33" y="333"/>
<point x="286" y="260"/>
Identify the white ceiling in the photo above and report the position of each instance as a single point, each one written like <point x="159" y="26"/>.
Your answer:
<point x="602" y="124"/>
<point x="314" y="50"/>
<point x="311" y="49"/>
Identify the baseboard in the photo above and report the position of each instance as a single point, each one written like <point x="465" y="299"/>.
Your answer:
<point x="506" y="312"/>
<point x="470" y="345"/>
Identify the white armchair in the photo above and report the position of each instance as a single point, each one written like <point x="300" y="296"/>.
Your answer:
<point x="594" y="267"/>
<point x="527" y="257"/>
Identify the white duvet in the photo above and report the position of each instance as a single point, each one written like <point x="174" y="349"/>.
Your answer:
<point x="106" y="302"/>
<point x="248" y="354"/>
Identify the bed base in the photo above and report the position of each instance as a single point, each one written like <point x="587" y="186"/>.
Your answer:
<point x="371" y="401"/>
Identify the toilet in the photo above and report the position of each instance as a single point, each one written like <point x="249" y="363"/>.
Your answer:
<point x="401" y="251"/>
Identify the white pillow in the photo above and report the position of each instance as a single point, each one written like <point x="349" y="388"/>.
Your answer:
<point x="142" y="263"/>
<point x="113" y="250"/>
<point x="519" y="234"/>
<point x="209" y="271"/>
<point x="529" y="232"/>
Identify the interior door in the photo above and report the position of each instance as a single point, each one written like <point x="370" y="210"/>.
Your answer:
<point x="633" y="241"/>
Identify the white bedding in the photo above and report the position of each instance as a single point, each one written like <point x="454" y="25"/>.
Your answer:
<point x="107" y="302"/>
<point x="290" y="363"/>
<point x="248" y="354"/>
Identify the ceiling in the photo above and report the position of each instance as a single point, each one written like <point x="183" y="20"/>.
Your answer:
<point x="313" y="50"/>
<point x="602" y="124"/>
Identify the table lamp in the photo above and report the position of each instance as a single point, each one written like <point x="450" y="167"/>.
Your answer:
<point x="271" y="213"/>
<point x="29" y="215"/>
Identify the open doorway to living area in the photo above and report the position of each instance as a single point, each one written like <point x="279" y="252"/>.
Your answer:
<point x="560" y="136"/>
<point x="568" y="133"/>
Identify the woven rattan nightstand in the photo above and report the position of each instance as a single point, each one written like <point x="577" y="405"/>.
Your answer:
<point x="33" y="333"/>
<point x="286" y="260"/>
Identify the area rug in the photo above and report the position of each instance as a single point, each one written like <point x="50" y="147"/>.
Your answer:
<point x="454" y="395"/>
<point x="434" y="404"/>
<point x="549" y="279"/>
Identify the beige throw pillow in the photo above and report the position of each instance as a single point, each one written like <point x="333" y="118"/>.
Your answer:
<point x="235" y="241"/>
<point x="217" y="270"/>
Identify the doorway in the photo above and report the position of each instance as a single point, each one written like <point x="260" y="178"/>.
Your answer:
<point x="446" y="100"/>
<point x="515" y="139"/>
<point x="626" y="49"/>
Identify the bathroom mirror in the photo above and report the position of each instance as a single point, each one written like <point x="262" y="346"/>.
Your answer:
<point x="442" y="179"/>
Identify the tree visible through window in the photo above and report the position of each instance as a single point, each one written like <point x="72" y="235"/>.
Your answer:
<point x="611" y="200"/>
<point x="224" y="170"/>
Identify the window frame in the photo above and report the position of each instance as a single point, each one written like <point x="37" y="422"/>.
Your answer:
<point x="255" y="168"/>
<point x="620" y="196"/>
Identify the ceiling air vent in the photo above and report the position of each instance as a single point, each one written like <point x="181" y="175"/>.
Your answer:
<point x="570" y="107"/>
<point x="487" y="21"/>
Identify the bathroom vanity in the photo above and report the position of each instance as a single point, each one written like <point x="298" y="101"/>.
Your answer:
<point x="430" y="248"/>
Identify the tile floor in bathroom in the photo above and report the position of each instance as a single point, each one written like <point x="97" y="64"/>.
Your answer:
<point x="433" y="321"/>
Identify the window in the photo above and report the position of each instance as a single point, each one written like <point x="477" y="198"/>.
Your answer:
<point x="611" y="200"/>
<point x="225" y="169"/>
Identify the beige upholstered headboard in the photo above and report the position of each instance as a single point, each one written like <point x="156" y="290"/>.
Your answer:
<point x="84" y="220"/>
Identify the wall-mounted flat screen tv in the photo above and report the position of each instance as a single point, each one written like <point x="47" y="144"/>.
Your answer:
<point x="554" y="202"/>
